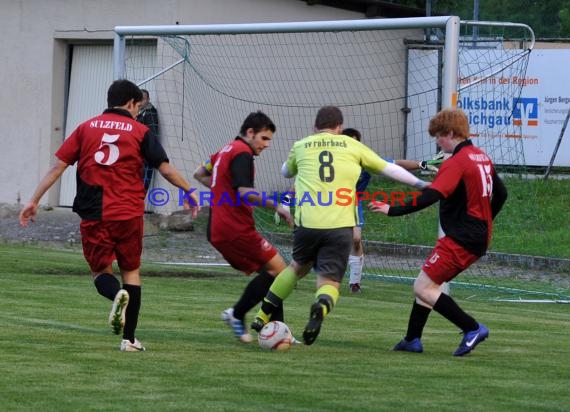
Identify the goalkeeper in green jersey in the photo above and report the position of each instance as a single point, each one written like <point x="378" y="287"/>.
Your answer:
<point x="326" y="166"/>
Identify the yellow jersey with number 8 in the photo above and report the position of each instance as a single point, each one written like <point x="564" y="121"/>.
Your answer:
<point x="326" y="168"/>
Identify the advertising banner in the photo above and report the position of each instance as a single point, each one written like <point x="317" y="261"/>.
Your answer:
<point x="495" y="108"/>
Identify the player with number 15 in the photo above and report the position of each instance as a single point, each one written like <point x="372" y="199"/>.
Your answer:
<point x="470" y="195"/>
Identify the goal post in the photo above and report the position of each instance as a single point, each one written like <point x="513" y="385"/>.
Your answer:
<point x="389" y="77"/>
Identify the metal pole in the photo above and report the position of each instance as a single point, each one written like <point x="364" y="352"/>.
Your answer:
<point x="475" y="18"/>
<point x="286" y="27"/>
<point x="119" y="57"/>
<point x="549" y="168"/>
<point x="451" y="59"/>
<point x="428" y="32"/>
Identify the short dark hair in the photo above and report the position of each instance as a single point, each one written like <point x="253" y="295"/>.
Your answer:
<point x="355" y="134"/>
<point x="328" y="117"/>
<point x="257" y="121"/>
<point x="145" y="91"/>
<point x="121" y="91"/>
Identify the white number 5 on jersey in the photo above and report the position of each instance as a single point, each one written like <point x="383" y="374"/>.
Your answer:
<point x="113" y="155"/>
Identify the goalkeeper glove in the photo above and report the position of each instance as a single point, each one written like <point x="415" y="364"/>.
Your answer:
<point x="286" y="203"/>
<point x="428" y="165"/>
<point x="433" y="164"/>
<point x="440" y="156"/>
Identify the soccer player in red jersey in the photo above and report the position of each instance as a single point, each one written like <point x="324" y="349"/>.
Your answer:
<point x="470" y="195"/>
<point x="229" y="174"/>
<point x="110" y="150"/>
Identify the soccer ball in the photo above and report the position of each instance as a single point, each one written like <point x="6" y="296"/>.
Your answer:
<point x="275" y="335"/>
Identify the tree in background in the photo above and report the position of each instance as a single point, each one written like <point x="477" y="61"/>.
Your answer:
<point x="564" y="16"/>
<point x="548" y="18"/>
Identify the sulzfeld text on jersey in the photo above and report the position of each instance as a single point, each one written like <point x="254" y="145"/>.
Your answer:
<point x="109" y="124"/>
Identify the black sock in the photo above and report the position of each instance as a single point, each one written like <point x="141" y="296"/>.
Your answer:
<point x="253" y="293"/>
<point x="418" y="319"/>
<point x="327" y="301"/>
<point x="272" y="306"/>
<point x="132" y="312"/>
<point x="107" y="285"/>
<point x="447" y="308"/>
<point x="278" y="313"/>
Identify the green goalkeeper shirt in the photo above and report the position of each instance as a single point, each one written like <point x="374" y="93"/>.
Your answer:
<point x="327" y="167"/>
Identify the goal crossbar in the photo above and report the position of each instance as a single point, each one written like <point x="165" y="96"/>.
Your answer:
<point x="451" y="24"/>
<point x="289" y="27"/>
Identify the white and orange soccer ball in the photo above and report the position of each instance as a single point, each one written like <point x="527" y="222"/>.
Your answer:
<point x="275" y="335"/>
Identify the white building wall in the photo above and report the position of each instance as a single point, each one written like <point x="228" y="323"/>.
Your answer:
<point x="35" y="35"/>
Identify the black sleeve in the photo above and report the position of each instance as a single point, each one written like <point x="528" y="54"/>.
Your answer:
<point x="427" y="198"/>
<point x="499" y="195"/>
<point x="152" y="151"/>
<point x="242" y="170"/>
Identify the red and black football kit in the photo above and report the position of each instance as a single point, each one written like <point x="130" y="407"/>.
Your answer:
<point x="110" y="150"/>
<point x="471" y="194"/>
<point x="231" y="226"/>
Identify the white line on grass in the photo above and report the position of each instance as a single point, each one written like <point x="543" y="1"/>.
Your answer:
<point x="190" y="264"/>
<point x="47" y="322"/>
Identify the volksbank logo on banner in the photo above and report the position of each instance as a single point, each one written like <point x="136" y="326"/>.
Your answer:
<point x="485" y="112"/>
<point x="491" y="113"/>
<point x="525" y="108"/>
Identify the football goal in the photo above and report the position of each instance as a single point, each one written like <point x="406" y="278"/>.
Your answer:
<point x="389" y="77"/>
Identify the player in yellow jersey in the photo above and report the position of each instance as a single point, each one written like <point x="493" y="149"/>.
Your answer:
<point x="326" y="166"/>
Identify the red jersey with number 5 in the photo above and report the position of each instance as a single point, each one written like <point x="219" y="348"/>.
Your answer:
<point x="110" y="150"/>
<point x="466" y="182"/>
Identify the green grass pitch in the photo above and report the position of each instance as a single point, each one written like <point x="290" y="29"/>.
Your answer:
<point x="58" y="354"/>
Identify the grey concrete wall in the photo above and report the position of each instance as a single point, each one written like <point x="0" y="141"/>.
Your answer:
<point x="34" y="43"/>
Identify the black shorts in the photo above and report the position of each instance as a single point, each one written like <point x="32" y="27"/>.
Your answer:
<point x="327" y="249"/>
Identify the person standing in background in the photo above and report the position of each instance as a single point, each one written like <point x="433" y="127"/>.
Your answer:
<point x="148" y="115"/>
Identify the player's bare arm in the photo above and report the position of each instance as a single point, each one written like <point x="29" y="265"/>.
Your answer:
<point x="172" y="174"/>
<point x="31" y="209"/>
<point x="378" y="207"/>
<point x="203" y="176"/>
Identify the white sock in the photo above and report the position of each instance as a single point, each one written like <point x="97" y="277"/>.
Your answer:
<point x="355" y="264"/>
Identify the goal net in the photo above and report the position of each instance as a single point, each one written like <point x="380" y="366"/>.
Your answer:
<point x="389" y="77"/>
